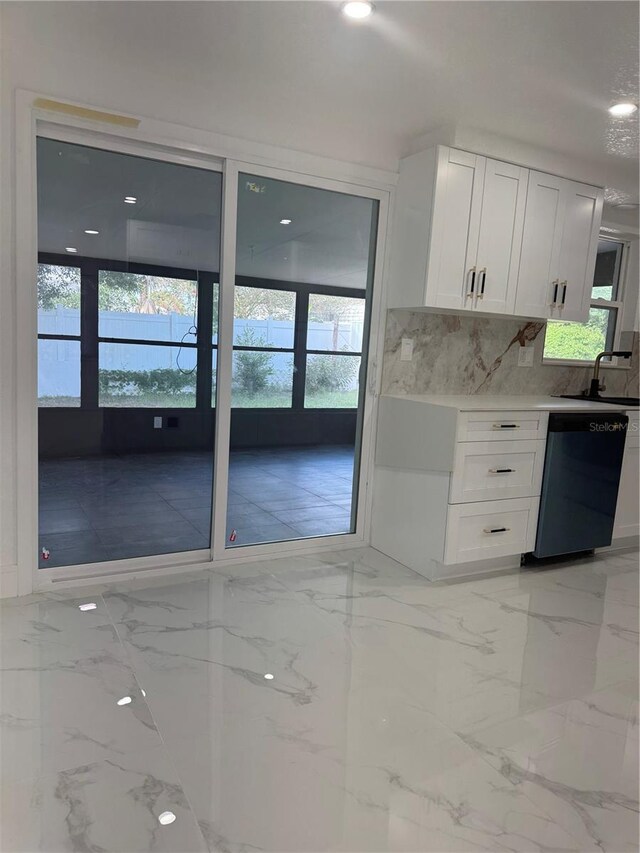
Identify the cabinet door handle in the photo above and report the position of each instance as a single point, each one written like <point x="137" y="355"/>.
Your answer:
<point x="555" y="284"/>
<point x="472" y="271"/>
<point x="483" y="279"/>
<point x="502" y="470"/>
<point x="564" y="292"/>
<point x="496" y="529"/>
<point x="506" y="426"/>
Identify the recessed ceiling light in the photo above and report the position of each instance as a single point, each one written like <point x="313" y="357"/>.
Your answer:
<point x="90" y="605"/>
<point x="625" y="108"/>
<point x="90" y="231"/>
<point x="71" y="249"/>
<point x="268" y="676"/>
<point x="166" y="818"/>
<point x="130" y="199"/>
<point x="126" y="700"/>
<point x="286" y="221"/>
<point x="357" y="9"/>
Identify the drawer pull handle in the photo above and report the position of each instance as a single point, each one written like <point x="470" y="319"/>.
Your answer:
<point x="496" y="529"/>
<point x="502" y="470"/>
<point x="506" y="426"/>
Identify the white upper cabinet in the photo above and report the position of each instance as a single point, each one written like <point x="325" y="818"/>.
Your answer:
<point x="499" y="243"/>
<point x="539" y="279"/>
<point x="559" y="245"/>
<point x="457" y="207"/>
<point x="476" y="234"/>
<point x="578" y="249"/>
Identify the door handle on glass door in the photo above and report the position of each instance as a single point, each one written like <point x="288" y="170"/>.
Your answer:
<point x="555" y="284"/>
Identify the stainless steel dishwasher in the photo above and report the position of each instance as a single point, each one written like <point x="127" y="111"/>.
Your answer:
<point x="580" y="482"/>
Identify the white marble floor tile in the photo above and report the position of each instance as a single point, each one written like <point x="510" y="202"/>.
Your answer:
<point x="574" y="767"/>
<point x="108" y="805"/>
<point x="497" y="713"/>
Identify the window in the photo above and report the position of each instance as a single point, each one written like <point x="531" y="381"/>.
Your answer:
<point x="128" y="338"/>
<point x="334" y="345"/>
<point x="566" y="341"/>
<point x="58" y="335"/>
<point x="263" y="347"/>
<point x="140" y="319"/>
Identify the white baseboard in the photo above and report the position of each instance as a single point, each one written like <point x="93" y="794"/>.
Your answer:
<point x="435" y="571"/>
<point x="623" y="543"/>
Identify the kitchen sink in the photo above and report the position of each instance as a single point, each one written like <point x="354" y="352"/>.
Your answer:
<point x="632" y="402"/>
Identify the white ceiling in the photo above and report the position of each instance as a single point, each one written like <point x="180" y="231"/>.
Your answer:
<point x="176" y="219"/>
<point x="300" y="75"/>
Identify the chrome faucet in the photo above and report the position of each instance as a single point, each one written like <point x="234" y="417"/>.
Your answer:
<point x="594" y="388"/>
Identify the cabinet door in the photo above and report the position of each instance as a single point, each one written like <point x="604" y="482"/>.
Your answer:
<point x="581" y="225"/>
<point x="541" y="241"/>
<point x="455" y="225"/>
<point x="500" y="239"/>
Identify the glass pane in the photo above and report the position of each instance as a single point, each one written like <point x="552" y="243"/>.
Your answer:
<point x="331" y="382"/>
<point x="581" y="341"/>
<point x="146" y="376"/>
<point x="335" y="323"/>
<point x="214" y="375"/>
<point x="290" y="232"/>
<point x="58" y="300"/>
<point x="214" y="317"/>
<point x="58" y="373"/>
<point x="263" y="317"/>
<point x="607" y="273"/>
<point x="133" y="479"/>
<point x="262" y="380"/>
<point x="295" y="443"/>
<point x="146" y="307"/>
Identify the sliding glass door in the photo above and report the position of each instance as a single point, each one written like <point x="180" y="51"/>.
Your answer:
<point x="128" y="285"/>
<point x="129" y="253"/>
<point x="302" y="299"/>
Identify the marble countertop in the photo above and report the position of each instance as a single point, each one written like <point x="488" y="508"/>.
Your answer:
<point x="508" y="402"/>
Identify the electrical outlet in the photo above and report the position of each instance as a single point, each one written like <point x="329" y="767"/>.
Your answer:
<point x="406" y="349"/>
<point x="525" y="356"/>
<point x="157" y="423"/>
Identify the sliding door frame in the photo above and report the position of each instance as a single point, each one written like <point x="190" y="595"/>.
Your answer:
<point x="366" y="419"/>
<point x="163" y="141"/>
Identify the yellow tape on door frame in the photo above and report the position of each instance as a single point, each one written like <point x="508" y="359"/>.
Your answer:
<point x="83" y="112"/>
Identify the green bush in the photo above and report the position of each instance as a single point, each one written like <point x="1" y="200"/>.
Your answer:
<point x="574" y="341"/>
<point x="252" y="369"/>
<point x="116" y="383"/>
<point x="330" y="373"/>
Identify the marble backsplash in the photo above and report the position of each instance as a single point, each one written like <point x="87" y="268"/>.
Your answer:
<point x="455" y="354"/>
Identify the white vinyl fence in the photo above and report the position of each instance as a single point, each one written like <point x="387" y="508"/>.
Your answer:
<point x="59" y="361"/>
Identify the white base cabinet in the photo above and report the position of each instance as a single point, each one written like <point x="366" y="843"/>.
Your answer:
<point x="483" y="507"/>
<point x="457" y="487"/>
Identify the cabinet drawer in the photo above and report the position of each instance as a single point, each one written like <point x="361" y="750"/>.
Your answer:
<point x="490" y="470"/>
<point x="496" y="426"/>
<point x="479" y="531"/>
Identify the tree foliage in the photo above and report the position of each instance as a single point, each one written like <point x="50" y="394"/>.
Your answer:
<point x="577" y="341"/>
